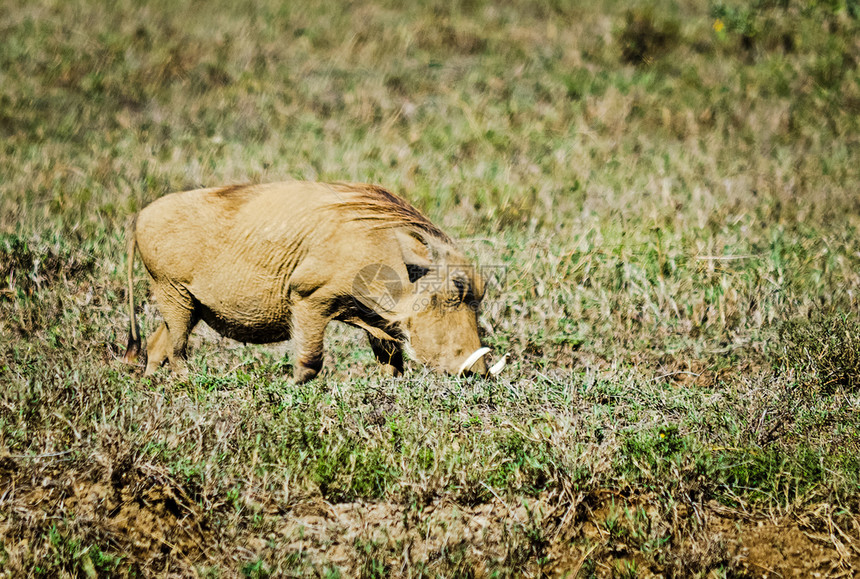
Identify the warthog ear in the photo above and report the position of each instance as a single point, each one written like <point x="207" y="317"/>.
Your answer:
<point x="417" y="253"/>
<point x="416" y="272"/>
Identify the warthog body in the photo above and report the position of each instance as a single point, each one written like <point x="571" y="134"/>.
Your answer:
<point x="265" y="263"/>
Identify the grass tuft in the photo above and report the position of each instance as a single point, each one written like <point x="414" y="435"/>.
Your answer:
<point x="823" y="352"/>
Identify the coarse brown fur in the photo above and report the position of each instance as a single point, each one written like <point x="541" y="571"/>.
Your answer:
<point x="264" y="263"/>
<point x="386" y="210"/>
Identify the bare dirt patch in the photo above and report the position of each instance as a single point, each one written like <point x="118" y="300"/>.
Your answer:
<point x="140" y="514"/>
<point x="146" y="521"/>
<point x="553" y="538"/>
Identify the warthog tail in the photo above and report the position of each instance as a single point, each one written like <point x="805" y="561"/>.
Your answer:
<point x="132" y="350"/>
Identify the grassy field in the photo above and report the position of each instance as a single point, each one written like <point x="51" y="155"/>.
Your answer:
<point x="672" y="191"/>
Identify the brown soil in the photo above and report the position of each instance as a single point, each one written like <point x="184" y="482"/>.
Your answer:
<point x="144" y="516"/>
<point x="485" y="535"/>
<point x="140" y="514"/>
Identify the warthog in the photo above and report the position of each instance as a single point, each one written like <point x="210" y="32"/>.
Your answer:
<point x="266" y="263"/>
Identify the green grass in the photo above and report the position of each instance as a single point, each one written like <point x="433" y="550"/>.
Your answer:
<point x="669" y="194"/>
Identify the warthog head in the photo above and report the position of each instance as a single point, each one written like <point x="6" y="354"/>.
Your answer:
<point x="430" y="300"/>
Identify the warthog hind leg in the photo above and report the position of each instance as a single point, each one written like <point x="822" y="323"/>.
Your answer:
<point x="170" y="341"/>
<point x="156" y="350"/>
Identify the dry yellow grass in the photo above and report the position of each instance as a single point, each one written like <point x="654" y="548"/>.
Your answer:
<point x="670" y="194"/>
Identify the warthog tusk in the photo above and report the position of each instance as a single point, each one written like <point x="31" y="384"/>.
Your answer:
<point x="497" y="368"/>
<point x="470" y="361"/>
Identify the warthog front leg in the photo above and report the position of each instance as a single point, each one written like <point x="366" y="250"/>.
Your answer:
<point x="307" y="331"/>
<point x="389" y="354"/>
